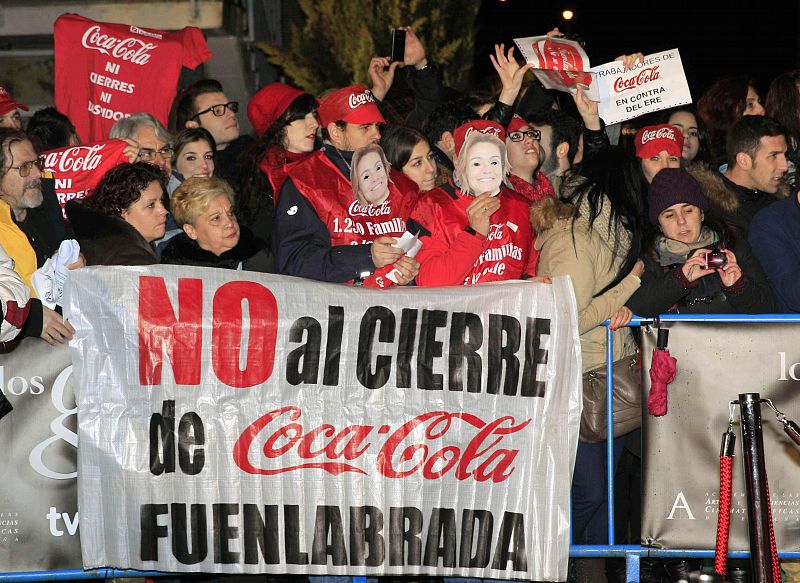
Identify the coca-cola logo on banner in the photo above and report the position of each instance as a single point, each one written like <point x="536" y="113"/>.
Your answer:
<point x="644" y="76"/>
<point x="127" y="49"/>
<point x="77" y="159"/>
<point x="358" y="99"/>
<point x="277" y="443"/>
<point x="659" y="134"/>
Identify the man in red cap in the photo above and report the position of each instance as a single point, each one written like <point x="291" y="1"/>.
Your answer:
<point x="9" y="110"/>
<point x="319" y="229"/>
<point x="659" y="146"/>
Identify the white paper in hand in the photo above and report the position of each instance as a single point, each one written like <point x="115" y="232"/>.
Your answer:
<point x="411" y="245"/>
<point x="48" y="280"/>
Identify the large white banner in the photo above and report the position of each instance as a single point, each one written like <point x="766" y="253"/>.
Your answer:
<point x="240" y="423"/>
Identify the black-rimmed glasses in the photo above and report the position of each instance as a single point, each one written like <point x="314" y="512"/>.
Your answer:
<point x="219" y="109"/>
<point x="148" y="154"/>
<point x="519" y="136"/>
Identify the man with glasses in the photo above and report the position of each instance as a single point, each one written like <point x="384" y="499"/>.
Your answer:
<point x="148" y="140"/>
<point x="522" y="146"/>
<point x="31" y="226"/>
<point x="205" y="105"/>
<point x="9" y="110"/>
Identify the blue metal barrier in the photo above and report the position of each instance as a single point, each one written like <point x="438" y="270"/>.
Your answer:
<point x="634" y="553"/>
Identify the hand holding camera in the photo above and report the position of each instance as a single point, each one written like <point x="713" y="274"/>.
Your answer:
<point x="705" y="262"/>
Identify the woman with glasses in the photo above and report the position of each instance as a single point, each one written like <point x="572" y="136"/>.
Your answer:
<point x="524" y="159"/>
<point x="409" y="151"/>
<point x="120" y="222"/>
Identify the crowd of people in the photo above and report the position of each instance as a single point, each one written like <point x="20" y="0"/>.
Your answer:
<point x="691" y="212"/>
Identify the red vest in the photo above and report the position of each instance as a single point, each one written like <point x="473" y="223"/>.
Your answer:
<point x="506" y="250"/>
<point x="348" y="221"/>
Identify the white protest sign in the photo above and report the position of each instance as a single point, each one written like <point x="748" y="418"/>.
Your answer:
<point x="657" y="83"/>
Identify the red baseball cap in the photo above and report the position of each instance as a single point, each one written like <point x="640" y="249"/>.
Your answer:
<point x="8" y="103"/>
<point x="481" y="125"/>
<point x="516" y="124"/>
<point x="353" y="104"/>
<point x="650" y="140"/>
<point x="269" y="103"/>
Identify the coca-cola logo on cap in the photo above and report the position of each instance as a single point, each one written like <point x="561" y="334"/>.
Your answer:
<point x="489" y="131"/>
<point x="127" y="49"/>
<point x="659" y="134"/>
<point x="358" y="99"/>
<point x="77" y="159"/>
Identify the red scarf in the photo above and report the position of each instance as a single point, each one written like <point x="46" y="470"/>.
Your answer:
<point x="275" y="165"/>
<point x="540" y="188"/>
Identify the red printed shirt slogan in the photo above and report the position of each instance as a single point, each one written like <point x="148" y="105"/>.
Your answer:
<point x="78" y="169"/>
<point x="105" y="71"/>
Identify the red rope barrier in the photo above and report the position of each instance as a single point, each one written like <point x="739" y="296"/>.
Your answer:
<point x="773" y="547"/>
<point x="724" y="516"/>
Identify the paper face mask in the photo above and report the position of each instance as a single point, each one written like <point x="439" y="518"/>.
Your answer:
<point x="373" y="179"/>
<point x="484" y="168"/>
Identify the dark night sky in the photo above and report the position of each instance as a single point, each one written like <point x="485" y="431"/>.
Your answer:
<point x="759" y="39"/>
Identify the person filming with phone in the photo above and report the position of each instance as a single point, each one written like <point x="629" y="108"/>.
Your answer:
<point x="696" y="263"/>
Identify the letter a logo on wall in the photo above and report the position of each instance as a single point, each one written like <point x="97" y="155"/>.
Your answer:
<point x="680" y="504"/>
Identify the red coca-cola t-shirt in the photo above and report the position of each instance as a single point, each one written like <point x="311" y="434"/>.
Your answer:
<point x="105" y="71"/>
<point x="77" y="169"/>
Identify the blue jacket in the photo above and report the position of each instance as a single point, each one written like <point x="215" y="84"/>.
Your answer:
<point x="775" y="241"/>
<point x="302" y="242"/>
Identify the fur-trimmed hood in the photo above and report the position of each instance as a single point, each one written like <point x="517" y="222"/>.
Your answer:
<point x="550" y="215"/>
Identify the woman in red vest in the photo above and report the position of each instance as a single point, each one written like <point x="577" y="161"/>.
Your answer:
<point x="474" y="229"/>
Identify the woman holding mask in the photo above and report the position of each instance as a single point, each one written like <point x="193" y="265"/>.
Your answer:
<point x="378" y="207"/>
<point x="474" y="229"/>
<point x="681" y="274"/>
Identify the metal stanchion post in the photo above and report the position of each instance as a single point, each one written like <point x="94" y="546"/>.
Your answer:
<point x="758" y="504"/>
